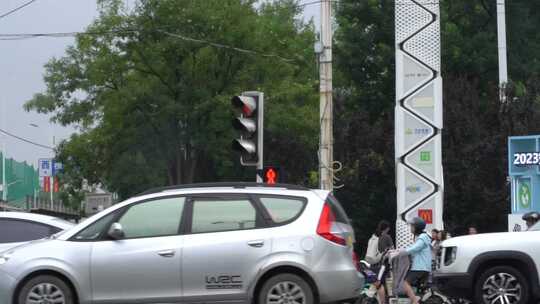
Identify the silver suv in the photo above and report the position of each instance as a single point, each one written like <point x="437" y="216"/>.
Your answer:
<point x="234" y="243"/>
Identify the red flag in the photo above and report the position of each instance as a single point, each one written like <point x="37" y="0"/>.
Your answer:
<point x="46" y="183"/>
<point x="56" y="184"/>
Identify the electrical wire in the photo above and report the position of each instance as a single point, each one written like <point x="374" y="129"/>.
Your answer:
<point x="24" y="36"/>
<point x="17" y="9"/>
<point x="219" y="45"/>
<point x="25" y="140"/>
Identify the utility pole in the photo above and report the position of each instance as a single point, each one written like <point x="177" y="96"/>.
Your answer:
<point x="501" y="38"/>
<point x="51" y="181"/>
<point x="326" y="150"/>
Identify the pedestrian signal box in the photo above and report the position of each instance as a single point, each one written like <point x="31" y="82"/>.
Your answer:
<point x="271" y="175"/>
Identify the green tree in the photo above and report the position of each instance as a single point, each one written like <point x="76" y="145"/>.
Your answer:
<point x="149" y="90"/>
<point x="476" y="123"/>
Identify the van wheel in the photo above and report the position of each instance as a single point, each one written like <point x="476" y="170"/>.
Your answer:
<point x="502" y="284"/>
<point x="286" y="289"/>
<point x="45" y="289"/>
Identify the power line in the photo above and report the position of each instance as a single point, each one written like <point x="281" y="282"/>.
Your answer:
<point x="17" y="9"/>
<point x="224" y="46"/>
<point x="24" y="36"/>
<point x="25" y="140"/>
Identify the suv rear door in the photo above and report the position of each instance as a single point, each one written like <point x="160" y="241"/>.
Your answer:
<point x="223" y="247"/>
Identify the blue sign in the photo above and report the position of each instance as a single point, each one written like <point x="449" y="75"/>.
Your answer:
<point x="57" y="167"/>
<point x="524" y="172"/>
<point x="44" y="166"/>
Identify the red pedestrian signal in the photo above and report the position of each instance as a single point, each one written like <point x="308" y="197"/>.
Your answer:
<point x="271" y="175"/>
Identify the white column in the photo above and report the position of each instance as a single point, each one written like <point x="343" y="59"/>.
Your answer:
<point x="418" y="116"/>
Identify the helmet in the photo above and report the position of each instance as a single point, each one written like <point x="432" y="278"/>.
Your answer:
<point x="418" y="223"/>
<point x="531" y="217"/>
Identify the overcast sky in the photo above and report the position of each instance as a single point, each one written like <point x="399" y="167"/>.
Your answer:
<point x="21" y="67"/>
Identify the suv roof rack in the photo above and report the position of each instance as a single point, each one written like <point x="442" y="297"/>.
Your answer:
<point x="237" y="185"/>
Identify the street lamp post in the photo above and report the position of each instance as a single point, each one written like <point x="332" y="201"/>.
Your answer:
<point x="5" y="189"/>
<point x="51" y="187"/>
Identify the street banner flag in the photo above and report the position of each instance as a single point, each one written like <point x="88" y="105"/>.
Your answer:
<point x="56" y="184"/>
<point x="47" y="184"/>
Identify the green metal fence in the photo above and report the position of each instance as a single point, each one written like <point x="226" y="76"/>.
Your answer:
<point x="22" y="180"/>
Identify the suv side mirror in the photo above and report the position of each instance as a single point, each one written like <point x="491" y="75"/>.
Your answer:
<point x="116" y="232"/>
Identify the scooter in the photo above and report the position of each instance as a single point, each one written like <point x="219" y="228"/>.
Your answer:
<point x="426" y="291"/>
<point x="369" y="292"/>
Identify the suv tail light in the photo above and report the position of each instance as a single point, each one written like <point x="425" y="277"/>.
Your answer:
<point x="325" y="226"/>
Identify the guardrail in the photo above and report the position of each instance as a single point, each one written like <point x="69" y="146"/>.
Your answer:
<point x="56" y="208"/>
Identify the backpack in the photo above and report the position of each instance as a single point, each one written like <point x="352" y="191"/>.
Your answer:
<point x="373" y="256"/>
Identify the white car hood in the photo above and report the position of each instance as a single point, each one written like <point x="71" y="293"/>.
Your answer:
<point x="492" y="238"/>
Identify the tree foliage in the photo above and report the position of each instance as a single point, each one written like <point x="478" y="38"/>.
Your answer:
<point x="149" y="90"/>
<point x="476" y="124"/>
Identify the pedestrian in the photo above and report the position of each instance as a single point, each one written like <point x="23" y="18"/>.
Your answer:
<point x="385" y="240"/>
<point x="434" y="234"/>
<point x="443" y="236"/>
<point x="531" y="218"/>
<point x="385" y="243"/>
<point x="435" y="247"/>
<point x="420" y="253"/>
<point x="473" y="230"/>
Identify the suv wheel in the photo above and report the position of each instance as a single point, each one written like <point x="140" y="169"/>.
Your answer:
<point x="502" y="285"/>
<point x="286" y="289"/>
<point x="45" y="289"/>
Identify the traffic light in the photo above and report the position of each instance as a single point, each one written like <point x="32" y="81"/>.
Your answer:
<point x="250" y="125"/>
<point x="271" y="175"/>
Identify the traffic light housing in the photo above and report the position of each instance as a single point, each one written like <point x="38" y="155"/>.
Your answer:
<point x="250" y="125"/>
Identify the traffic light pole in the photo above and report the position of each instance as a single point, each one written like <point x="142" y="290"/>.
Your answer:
<point x="326" y="150"/>
<point x="260" y="139"/>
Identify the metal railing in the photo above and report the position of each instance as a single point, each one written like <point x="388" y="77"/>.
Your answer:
<point x="57" y="208"/>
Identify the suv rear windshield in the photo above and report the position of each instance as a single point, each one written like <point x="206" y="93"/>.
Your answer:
<point x="283" y="209"/>
<point x="341" y="216"/>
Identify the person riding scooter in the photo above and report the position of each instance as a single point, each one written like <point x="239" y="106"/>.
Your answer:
<point x="531" y="218"/>
<point x="420" y="253"/>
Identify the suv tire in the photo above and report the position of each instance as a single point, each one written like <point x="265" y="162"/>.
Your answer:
<point x="286" y="289"/>
<point x="45" y="289"/>
<point x="500" y="280"/>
